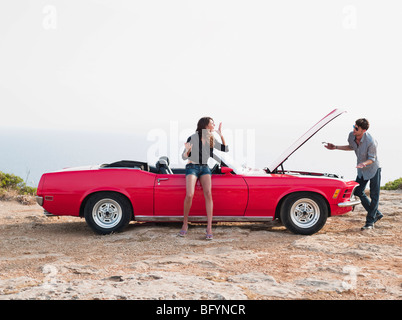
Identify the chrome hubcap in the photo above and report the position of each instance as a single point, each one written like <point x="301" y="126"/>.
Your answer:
<point x="107" y="213"/>
<point x="305" y="213"/>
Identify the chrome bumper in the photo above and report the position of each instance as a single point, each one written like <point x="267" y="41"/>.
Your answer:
<point x="48" y="214"/>
<point x="39" y="200"/>
<point x="350" y="203"/>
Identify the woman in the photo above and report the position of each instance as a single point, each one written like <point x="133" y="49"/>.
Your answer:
<point x="198" y="149"/>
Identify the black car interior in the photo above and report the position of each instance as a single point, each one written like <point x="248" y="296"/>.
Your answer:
<point x="162" y="166"/>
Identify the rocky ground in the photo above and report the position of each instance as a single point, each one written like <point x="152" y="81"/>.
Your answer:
<point x="61" y="258"/>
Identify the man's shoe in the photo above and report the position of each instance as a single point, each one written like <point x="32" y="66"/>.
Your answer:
<point x="378" y="217"/>
<point x="367" y="227"/>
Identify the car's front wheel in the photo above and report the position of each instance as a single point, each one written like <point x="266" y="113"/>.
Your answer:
<point x="304" y="213"/>
<point x="107" y="212"/>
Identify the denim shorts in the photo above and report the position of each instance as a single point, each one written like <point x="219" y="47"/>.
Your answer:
<point x="197" y="169"/>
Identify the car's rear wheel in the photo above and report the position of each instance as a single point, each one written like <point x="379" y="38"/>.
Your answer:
<point x="304" y="213"/>
<point x="107" y="212"/>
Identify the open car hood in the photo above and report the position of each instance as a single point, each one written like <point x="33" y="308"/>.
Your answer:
<point x="304" y="138"/>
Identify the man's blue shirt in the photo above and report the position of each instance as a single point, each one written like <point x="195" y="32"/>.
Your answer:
<point x="366" y="150"/>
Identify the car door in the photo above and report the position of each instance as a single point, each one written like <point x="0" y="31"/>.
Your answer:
<point x="229" y="194"/>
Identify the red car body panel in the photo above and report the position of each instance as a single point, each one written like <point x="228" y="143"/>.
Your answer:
<point x="230" y="195"/>
<point x="69" y="189"/>
<point x="266" y="193"/>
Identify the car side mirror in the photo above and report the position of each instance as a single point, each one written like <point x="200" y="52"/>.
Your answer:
<point x="226" y="170"/>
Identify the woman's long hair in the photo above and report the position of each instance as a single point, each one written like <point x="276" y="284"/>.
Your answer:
<point x="202" y="125"/>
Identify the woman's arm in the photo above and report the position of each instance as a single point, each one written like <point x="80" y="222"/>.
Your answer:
<point x="222" y="147"/>
<point x="187" y="150"/>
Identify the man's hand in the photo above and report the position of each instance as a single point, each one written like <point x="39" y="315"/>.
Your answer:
<point x="329" y="146"/>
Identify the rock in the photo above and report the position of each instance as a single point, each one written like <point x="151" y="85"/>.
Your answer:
<point x="42" y="258"/>
<point x="115" y="278"/>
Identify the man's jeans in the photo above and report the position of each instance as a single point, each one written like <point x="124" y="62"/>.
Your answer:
<point x="370" y="206"/>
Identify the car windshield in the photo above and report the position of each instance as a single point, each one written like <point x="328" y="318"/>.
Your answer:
<point x="237" y="168"/>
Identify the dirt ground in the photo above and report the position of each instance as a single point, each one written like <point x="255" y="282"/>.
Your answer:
<point x="61" y="258"/>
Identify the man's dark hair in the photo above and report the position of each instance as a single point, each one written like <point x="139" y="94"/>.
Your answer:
<point x="363" y="123"/>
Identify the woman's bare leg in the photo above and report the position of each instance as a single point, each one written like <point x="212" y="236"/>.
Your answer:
<point x="207" y="188"/>
<point x="191" y="180"/>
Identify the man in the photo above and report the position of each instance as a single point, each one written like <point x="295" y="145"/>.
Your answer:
<point x="368" y="169"/>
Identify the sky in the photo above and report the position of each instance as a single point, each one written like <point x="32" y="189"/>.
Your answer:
<point x="268" y="70"/>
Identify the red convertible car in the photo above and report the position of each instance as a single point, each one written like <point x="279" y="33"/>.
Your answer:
<point x="109" y="196"/>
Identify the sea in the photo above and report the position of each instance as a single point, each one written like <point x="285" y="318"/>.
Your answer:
<point x="29" y="152"/>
